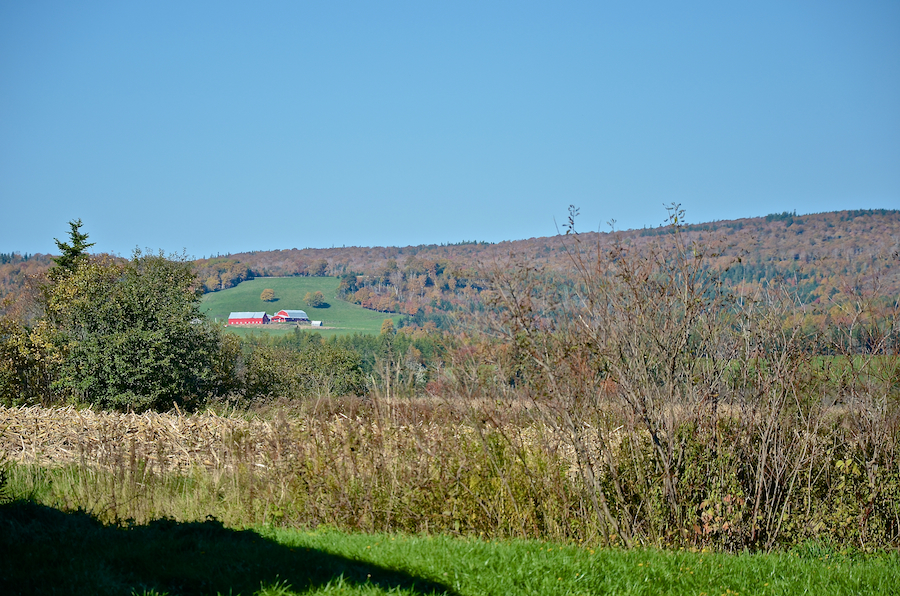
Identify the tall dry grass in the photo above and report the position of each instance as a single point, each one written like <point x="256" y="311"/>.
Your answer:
<point x="492" y="467"/>
<point x="370" y="465"/>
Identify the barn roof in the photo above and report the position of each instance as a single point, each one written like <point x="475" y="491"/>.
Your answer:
<point x="293" y="314"/>
<point x="247" y="315"/>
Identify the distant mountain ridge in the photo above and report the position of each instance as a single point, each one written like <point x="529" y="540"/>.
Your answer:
<point x="816" y="250"/>
<point x="775" y="238"/>
<point x="821" y="256"/>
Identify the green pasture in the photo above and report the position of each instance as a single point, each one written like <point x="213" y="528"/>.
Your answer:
<point x="339" y="317"/>
<point x="51" y="551"/>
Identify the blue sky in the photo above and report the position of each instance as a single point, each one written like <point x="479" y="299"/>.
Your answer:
<point x="217" y="127"/>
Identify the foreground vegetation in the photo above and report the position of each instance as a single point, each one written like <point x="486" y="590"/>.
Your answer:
<point x="47" y="551"/>
<point x="489" y="469"/>
<point x="636" y="402"/>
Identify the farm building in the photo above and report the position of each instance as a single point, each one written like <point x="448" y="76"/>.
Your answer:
<point x="248" y="318"/>
<point x="284" y="316"/>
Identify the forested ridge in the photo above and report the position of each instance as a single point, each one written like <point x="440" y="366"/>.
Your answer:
<point x="785" y="237"/>
<point x="822" y="257"/>
<point x="817" y="252"/>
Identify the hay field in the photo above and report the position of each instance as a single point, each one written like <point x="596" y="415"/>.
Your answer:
<point x="166" y="442"/>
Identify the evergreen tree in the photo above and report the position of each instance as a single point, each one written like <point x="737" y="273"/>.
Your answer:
<point x="72" y="253"/>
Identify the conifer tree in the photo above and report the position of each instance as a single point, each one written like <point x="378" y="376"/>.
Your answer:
<point x="72" y="253"/>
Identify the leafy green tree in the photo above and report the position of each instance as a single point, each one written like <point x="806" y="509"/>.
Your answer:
<point x="348" y="284"/>
<point x="314" y="299"/>
<point x="25" y="367"/>
<point x="268" y="295"/>
<point x="330" y="370"/>
<point x="74" y="252"/>
<point x="131" y="335"/>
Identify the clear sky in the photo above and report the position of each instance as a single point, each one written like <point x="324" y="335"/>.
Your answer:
<point x="219" y="127"/>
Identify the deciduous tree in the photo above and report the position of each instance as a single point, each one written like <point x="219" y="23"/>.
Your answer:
<point x="387" y="327"/>
<point x="314" y="299"/>
<point x="319" y="268"/>
<point x="131" y="335"/>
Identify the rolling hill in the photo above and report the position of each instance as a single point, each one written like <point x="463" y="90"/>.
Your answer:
<point x="339" y="317"/>
<point x="821" y="253"/>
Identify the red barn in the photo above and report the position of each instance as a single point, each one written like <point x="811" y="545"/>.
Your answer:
<point x="248" y="318"/>
<point x="284" y="316"/>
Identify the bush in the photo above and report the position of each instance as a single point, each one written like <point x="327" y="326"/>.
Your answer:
<point x="317" y="370"/>
<point x="695" y="416"/>
<point x="128" y="336"/>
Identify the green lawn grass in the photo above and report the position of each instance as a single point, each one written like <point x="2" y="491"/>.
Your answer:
<point x="341" y="317"/>
<point x="47" y="551"/>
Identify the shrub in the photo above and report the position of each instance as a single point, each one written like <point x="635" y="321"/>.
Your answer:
<point x="121" y="335"/>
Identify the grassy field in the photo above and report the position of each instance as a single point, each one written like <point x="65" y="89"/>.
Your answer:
<point x="48" y="551"/>
<point x="338" y="317"/>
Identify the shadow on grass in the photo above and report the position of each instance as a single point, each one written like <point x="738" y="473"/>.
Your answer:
<point x="45" y="550"/>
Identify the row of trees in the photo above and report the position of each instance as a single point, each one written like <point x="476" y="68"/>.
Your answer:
<point x="304" y="364"/>
<point x="312" y="299"/>
<point x="221" y="273"/>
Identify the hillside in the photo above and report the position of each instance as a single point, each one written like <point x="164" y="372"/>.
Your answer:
<point x="819" y="252"/>
<point x="338" y="316"/>
<point x="821" y="255"/>
<point x="776" y="238"/>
